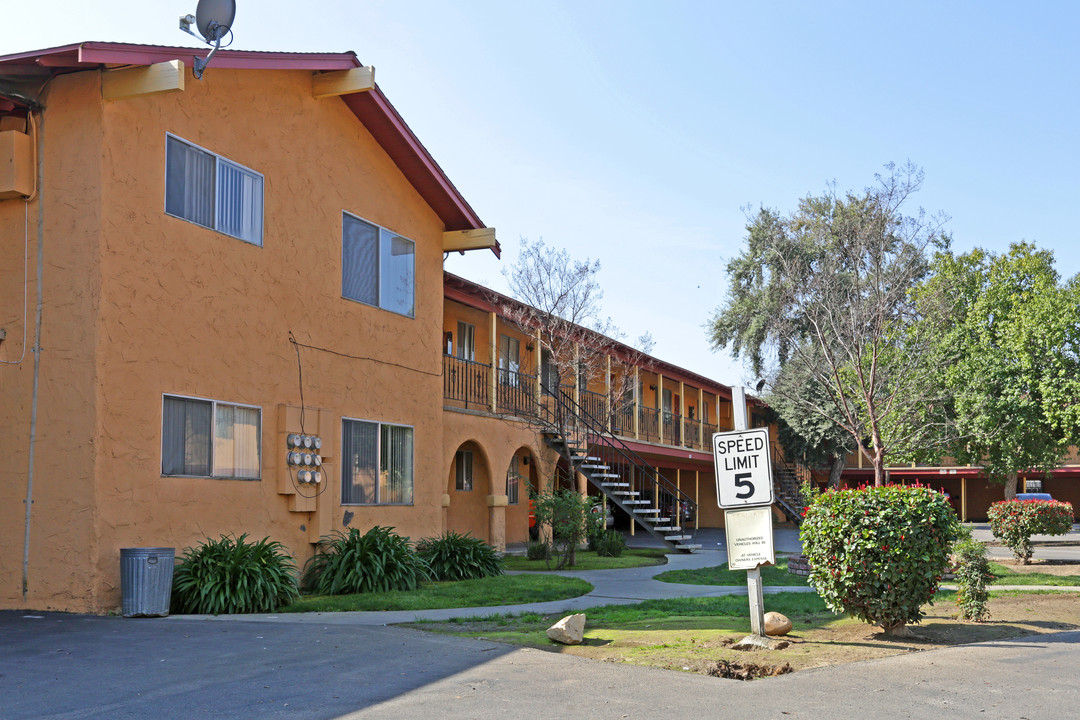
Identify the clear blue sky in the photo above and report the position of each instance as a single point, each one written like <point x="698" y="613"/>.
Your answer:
<point x="634" y="132"/>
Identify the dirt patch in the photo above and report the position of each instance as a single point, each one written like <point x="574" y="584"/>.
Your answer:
<point x="749" y="671"/>
<point x="699" y="644"/>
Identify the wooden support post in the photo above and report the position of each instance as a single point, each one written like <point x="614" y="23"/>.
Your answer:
<point x="701" y="416"/>
<point x="660" y="407"/>
<point x="607" y="391"/>
<point x="493" y="387"/>
<point x="963" y="499"/>
<point x="637" y="403"/>
<point x="538" y="361"/>
<point x="682" y="413"/>
<point x="697" y="499"/>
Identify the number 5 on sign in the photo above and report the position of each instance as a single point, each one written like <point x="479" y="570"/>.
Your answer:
<point x="743" y="468"/>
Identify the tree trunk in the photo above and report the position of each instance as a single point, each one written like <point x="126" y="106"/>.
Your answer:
<point x="1010" y="487"/>
<point x="837" y="469"/>
<point x="880" y="477"/>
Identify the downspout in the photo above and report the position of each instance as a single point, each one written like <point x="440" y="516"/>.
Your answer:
<point x="40" y="130"/>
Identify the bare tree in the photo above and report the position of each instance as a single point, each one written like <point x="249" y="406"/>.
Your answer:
<point x="824" y="295"/>
<point x="557" y="302"/>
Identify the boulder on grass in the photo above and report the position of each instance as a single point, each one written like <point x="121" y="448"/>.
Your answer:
<point x="568" y="631"/>
<point x="777" y="624"/>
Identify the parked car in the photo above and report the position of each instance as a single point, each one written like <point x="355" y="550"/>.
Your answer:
<point x="1033" y="496"/>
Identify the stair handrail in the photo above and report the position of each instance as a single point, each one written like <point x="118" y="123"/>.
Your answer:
<point x="611" y="440"/>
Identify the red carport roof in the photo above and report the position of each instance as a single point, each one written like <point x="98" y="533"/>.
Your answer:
<point x="372" y="108"/>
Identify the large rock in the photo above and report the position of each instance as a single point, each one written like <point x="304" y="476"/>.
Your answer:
<point x="568" y="631"/>
<point x="777" y="624"/>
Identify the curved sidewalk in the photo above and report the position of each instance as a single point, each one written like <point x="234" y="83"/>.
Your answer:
<point x="610" y="587"/>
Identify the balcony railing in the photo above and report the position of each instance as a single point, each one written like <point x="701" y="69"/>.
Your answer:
<point x="468" y="384"/>
<point x="465" y="383"/>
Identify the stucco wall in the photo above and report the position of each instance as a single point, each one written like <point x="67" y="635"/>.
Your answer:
<point x="141" y="303"/>
<point x="63" y="543"/>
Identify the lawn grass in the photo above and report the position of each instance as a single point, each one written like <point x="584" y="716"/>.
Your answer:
<point x="672" y="609"/>
<point x="589" y="560"/>
<point x="776" y="575"/>
<point x="486" y="592"/>
<point x="1009" y="576"/>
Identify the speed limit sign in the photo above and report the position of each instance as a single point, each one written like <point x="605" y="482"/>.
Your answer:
<point x="743" y="468"/>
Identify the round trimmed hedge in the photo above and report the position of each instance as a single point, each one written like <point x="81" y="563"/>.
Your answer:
<point x="1015" y="521"/>
<point x="878" y="553"/>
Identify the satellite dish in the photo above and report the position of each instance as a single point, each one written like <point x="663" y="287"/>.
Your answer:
<point x="214" y="18"/>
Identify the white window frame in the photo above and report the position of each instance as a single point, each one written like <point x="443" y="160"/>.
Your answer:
<point x="466" y="349"/>
<point x="463" y="471"/>
<point x="345" y="464"/>
<point x="509" y="364"/>
<point x="212" y="435"/>
<point x="255" y="238"/>
<point x="381" y="233"/>
<point x="513" y="483"/>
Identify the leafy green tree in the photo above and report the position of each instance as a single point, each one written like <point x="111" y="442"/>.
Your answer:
<point x="567" y="515"/>
<point x="1008" y="351"/>
<point x="822" y="297"/>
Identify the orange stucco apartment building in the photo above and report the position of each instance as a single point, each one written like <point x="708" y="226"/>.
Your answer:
<point x="223" y="310"/>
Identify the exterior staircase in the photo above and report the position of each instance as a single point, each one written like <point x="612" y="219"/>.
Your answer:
<point x="628" y="482"/>
<point x="787" y="479"/>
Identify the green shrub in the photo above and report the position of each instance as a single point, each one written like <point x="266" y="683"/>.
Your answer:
<point x="568" y="515"/>
<point x="878" y="553"/>
<point x="233" y="576"/>
<point x="452" y="556"/>
<point x="377" y="561"/>
<point x="972" y="574"/>
<point x="538" y="551"/>
<point x="1015" y="521"/>
<point x="610" y="544"/>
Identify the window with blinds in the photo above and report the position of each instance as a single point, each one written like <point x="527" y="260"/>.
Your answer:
<point x="377" y="266"/>
<point x="377" y="463"/>
<point x="205" y="438"/>
<point x="212" y="191"/>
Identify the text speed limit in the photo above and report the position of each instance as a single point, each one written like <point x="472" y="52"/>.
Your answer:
<point x="743" y="468"/>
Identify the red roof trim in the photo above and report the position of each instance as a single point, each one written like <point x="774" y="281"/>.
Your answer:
<point x="372" y="108"/>
<point x="399" y="141"/>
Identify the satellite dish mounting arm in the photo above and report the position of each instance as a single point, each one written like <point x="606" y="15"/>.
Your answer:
<point x="218" y="32"/>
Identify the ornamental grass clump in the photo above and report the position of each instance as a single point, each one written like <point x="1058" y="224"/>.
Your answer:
<point x="452" y="556"/>
<point x="1013" y="522"/>
<point x="233" y="576"/>
<point x="878" y="553"/>
<point x="379" y="560"/>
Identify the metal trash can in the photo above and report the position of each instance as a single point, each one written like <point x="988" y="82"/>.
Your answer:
<point x="146" y="581"/>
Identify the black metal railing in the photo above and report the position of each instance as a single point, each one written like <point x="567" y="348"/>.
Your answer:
<point x="466" y="383"/>
<point x="649" y="424"/>
<point x="516" y="393"/>
<point x="642" y="478"/>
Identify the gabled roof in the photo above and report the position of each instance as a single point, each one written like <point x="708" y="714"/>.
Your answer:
<point x="372" y="108"/>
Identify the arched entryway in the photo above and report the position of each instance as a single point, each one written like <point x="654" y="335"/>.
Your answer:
<point x="468" y="488"/>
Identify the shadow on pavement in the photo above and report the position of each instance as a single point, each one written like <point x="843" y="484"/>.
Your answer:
<point x="78" y="666"/>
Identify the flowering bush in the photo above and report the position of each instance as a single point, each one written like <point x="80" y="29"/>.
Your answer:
<point x="1013" y="522"/>
<point x="972" y="575"/>
<point x="878" y="553"/>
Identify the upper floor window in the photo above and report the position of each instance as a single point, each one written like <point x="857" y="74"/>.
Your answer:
<point x="509" y="360"/>
<point x="211" y="191"/>
<point x="377" y="266"/>
<point x="205" y="438"/>
<point x="466" y="341"/>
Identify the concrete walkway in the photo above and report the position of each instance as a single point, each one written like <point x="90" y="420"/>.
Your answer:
<point x="634" y="585"/>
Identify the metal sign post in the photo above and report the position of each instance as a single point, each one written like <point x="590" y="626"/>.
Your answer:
<point x="744" y="489"/>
